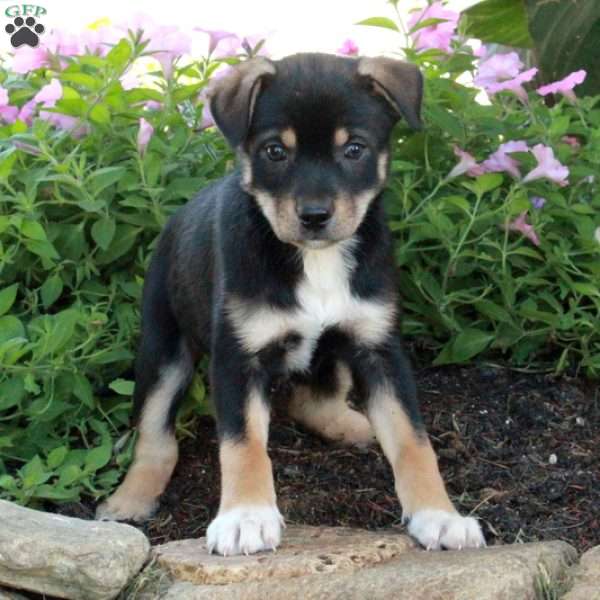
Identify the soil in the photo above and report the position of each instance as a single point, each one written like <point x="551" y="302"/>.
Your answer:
<point x="519" y="451"/>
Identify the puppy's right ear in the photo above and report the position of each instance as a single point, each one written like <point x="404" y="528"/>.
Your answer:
<point x="232" y="97"/>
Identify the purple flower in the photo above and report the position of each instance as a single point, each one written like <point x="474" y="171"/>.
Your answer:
<point x="498" y="67"/>
<point x="436" y="36"/>
<point x="28" y="59"/>
<point x="548" y="167"/>
<point x="520" y="224"/>
<point x="538" y="202"/>
<point x="215" y="37"/>
<point x="501" y="161"/>
<point x="513" y="85"/>
<point x="144" y="135"/>
<point x="27" y="111"/>
<point x="348" y="48"/>
<point x="572" y="141"/>
<point x="564" y="86"/>
<point x="129" y="80"/>
<point x="467" y="164"/>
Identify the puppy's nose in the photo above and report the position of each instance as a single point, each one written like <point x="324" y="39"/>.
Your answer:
<point x="314" y="217"/>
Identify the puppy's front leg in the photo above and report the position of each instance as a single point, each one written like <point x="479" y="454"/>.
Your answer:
<point x="248" y="520"/>
<point x="393" y="412"/>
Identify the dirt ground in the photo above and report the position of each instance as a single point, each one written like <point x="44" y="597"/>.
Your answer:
<point x="519" y="451"/>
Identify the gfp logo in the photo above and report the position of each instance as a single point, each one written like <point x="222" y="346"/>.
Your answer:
<point x="25" y="28"/>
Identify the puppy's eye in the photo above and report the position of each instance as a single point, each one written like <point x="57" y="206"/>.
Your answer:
<point x="275" y="152"/>
<point x="354" y="150"/>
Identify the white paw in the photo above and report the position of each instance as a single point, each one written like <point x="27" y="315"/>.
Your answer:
<point x="245" y="530"/>
<point x="436" y="529"/>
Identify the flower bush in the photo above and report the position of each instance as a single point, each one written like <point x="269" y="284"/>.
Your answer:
<point x="494" y="207"/>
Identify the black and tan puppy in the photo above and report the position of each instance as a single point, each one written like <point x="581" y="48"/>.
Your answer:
<point x="284" y="272"/>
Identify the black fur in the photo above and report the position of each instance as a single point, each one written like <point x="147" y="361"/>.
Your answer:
<point x="221" y="245"/>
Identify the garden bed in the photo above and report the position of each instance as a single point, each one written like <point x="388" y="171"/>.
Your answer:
<point x="519" y="450"/>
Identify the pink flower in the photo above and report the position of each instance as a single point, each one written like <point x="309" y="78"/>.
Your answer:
<point x="7" y="113"/>
<point x="513" y="85"/>
<point x="129" y="80"/>
<point x="434" y="36"/>
<point x="348" y="48"/>
<point x="564" y="86"/>
<point x="498" y="67"/>
<point x="27" y="111"/>
<point x="215" y="37"/>
<point x="501" y="161"/>
<point x="467" y="164"/>
<point x="50" y="93"/>
<point x="547" y="167"/>
<point x="28" y="59"/>
<point x="153" y="105"/>
<point x="571" y="141"/>
<point x="167" y="44"/>
<point x="144" y="134"/>
<point x="520" y="224"/>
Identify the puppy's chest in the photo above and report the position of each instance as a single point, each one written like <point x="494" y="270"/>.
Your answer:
<point x="324" y="299"/>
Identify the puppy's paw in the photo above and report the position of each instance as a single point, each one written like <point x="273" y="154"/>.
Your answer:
<point x="245" y="530"/>
<point x="436" y="529"/>
<point x="122" y="507"/>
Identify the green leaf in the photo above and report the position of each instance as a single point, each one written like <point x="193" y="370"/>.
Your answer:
<point x="125" y="237"/>
<point x="123" y="387"/>
<point x="56" y="457"/>
<point x="103" y="232"/>
<point x="467" y="344"/>
<point x="69" y="474"/>
<point x="484" y="183"/>
<point x="103" y="178"/>
<point x="98" y="457"/>
<point x="120" y="54"/>
<point x="33" y="230"/>
<point x="83" y="390"/>
<point x="383" y="22"/>
<point x="498" y="22"/>
<point x="566" y="35"/>
<point x="10" y="328"/>
<point x="7" y="160"/>
<point x="82" y="79"/>
<point x="34" y="473"/>
<point x="51" y="290"/>
<point x="7" y="297"/>
<point x="12" y="391"/>
<point x="100" y="114"/>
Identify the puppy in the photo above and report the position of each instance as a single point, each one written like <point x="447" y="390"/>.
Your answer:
<point x="284" y="272"/>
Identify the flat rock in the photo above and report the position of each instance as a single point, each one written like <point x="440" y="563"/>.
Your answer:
<point x="586" y="582"/>
<point x="306" y="551"/>
<point x="330" y="563"/>
<point x="66" y="557"/>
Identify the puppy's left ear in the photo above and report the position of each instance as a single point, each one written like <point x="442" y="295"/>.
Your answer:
<point x="232" y="98"/>
<point x="399" y="82"/>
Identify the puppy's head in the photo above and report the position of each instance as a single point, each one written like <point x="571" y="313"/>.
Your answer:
<point x="311" y="132"/>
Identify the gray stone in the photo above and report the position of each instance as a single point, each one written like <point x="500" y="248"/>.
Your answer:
<point x="67" y="557"/>
<point x="325" y="563"/>
<point x="586" y="577"/>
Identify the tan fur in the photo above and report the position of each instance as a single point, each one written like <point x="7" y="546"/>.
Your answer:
<point x="419" y="484"/>
<point x="340" y="136"/>
<point x="246" y="473"/>
<point x="288" y="137"/>
<point x="331" y="417"/>
<point x="154" y="459"/>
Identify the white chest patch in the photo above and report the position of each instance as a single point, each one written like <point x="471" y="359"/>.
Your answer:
<point x="324" y="300"/>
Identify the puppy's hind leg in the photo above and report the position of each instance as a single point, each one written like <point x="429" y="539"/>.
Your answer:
<point x="325" y="410"/>
<point x="164" y="368"/>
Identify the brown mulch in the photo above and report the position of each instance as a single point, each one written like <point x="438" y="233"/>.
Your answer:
<point x="520" y="451"/>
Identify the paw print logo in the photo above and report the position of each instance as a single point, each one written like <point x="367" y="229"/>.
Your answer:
<point x="24" y="31"/>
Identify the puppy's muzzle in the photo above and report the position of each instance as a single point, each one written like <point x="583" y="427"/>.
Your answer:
<point x="314" y="217"/>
